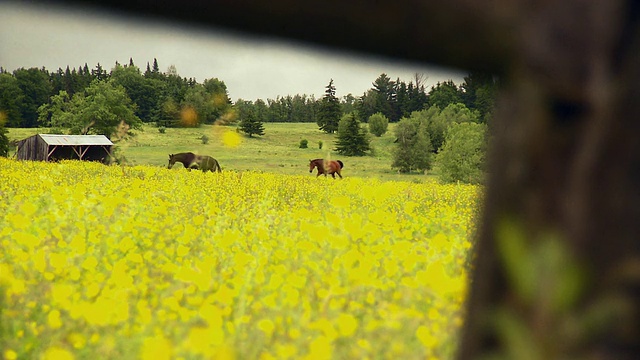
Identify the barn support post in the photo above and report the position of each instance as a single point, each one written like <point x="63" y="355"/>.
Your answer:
<point x="50" y="152"/>
<point x="106" y="149"/>
<point x="79" y="151"/>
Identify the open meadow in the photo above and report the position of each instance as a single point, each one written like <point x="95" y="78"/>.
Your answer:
<point x="142" y="262"/>
<point x="276" y="152"/>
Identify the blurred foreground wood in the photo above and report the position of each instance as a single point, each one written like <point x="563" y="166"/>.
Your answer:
<point x="565" y="160"/>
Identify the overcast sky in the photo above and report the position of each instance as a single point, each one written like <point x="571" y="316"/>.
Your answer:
<point x="251" y="67"/>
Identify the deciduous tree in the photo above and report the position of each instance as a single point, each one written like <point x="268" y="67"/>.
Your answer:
<point x="378" y="124"/>
<point x="413" y="149"/>
<point x="99" y="110"/>
<point x="462" y="155"/>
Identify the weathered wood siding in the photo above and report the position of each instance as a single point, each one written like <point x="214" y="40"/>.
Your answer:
<point x="32" y="148"/>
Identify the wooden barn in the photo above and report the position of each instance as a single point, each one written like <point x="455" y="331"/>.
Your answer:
<point x="50" y="147"/>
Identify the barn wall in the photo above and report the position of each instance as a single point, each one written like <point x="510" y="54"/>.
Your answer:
<point x="32" y="148"/>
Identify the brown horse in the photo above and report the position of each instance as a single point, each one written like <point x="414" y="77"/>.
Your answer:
<point x="193" y="161"/>
<point x="325" y="167"/>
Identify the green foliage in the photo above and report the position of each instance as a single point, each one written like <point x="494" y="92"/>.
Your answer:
<point x="4" y="140"/>
<point x="378" y="124"/>
<point x="480" y="89"/>
<point x="443" y="94"/>
<point x="304" y="144"/>
<point x="101" y="109"/>
<point x="249" y="122"/>
<point x="462" y="155"/>
<point x="205" y="139"/>
<point x="11" y="100"/>
<point x="169" y="113"/>
<point x="413" y="150"/>
<point x="320" y="143"/>
<point x="162" y="129"/>
<point x="383" y="96"/>
<point x="352" y="138"/>
<point x="145" y="92"/>
<point x="36" y="89"/>
<point x="440" y="121"/>
<point x="329" y="110"/>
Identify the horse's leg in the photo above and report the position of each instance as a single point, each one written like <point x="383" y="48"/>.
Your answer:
<point x="338" y="172"/>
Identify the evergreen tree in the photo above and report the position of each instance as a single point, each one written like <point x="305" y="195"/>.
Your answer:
<point x="261" y="110"/>
<point x="249" y="122"/>
<point x="147" y="94"/>
<point x="352" y="138"/>
<point x="156" y="69"/>
<point x="443" y="94"/>
<point x="329" y="110"/>
<point x="479" y="91"/>
<point x="147" y="72"/>
<point x="385" y="97"/>
<point x="99" y="73"/>
<point x="36" y="89"/>
<point x="11" y="98"/>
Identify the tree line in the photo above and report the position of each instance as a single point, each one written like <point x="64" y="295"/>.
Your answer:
<point x="155" y="96"/>
<point x="161" y="97"/>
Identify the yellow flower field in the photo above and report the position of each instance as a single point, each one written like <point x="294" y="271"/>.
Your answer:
<point x="143" y="262"/>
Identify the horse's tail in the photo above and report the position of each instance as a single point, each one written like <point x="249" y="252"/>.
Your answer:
<point x="341" y="164"/>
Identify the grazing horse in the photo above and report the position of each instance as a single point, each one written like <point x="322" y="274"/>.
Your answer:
<point x="325" y="167"/>
<point x="193" y="161"/>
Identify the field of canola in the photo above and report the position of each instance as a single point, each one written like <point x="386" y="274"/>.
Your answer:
<point x="148" y="263"/>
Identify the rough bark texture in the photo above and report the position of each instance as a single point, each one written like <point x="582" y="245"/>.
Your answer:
<point x="566" y="155"/>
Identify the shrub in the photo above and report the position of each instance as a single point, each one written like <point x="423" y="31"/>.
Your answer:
<point x="205" y="139"/>
<point x="378" y="124"/>
<point x="320" y="144"/>
<point x="304" y="144"/>
<point x="162" y="129"/>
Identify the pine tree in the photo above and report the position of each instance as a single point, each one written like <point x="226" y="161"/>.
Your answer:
<point x="352" y="139"/>
<point x="249" y="122"/>
<point x="156" y="68"/>
<point x="385" y="97"/>
<point x="329" y="111"/>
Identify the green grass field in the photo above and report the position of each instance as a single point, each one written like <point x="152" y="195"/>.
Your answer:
<point x="275" y="152"/>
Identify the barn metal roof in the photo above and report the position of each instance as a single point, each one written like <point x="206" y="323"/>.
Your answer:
<point x="72" y="140"/>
